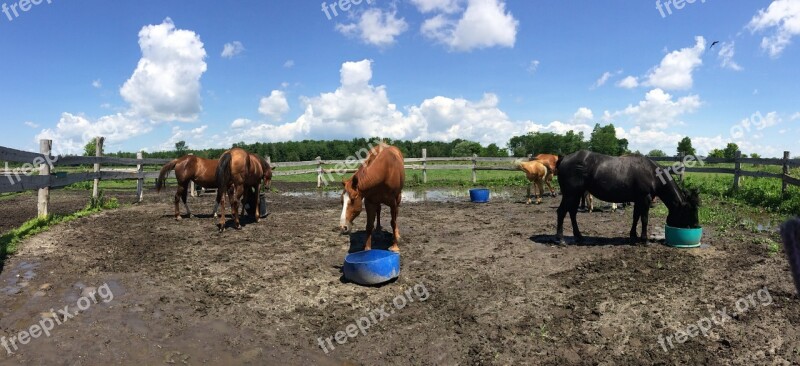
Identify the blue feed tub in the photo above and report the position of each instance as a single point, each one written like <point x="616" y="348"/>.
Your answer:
<point x="371" y="267"/>
<point x="683" y="238"/>
<point x="479" y="195"/>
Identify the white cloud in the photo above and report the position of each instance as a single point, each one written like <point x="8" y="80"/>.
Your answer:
<point x="675" y="70"/>
<point x="274" y="106"/>
<point x="629" y="82"/>
<point x="533" y="66"/>
<point x="782" y="16"/>
<point x="603" y="79"/>
<point x="232" y="49"/>
<point x="31" y="124"/>
<point x="194" y="138"/>
<point x="375" y="27"/>
<point x="795" y="116"/>
<point x="241" y="123"/>
<point x="166" y="83"/>
<point x="583" y="115"/>
<point x="164" y="87"/>
<point x="726" y="53"/>
<point x="97" y="84"/>
<point x="288" y="64"/>
<point x="444" y="6"/>
<point x="484" y="23"/>
<point x="659" y="111"/>
<point x="73" y="131"/>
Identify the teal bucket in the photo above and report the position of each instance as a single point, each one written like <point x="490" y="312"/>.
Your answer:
<point x="683" y="238"/>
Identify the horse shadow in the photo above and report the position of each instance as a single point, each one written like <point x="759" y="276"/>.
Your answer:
<point x="380" y="240"/>
<point x="588" y="241"/>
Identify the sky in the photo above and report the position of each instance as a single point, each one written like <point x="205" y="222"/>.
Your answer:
<point x="146" y="74"/>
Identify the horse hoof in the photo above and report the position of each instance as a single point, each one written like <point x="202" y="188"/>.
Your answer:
<point x="238" y="227"/>
<point x="178" y="218"/>
<point x="394" y="248"/>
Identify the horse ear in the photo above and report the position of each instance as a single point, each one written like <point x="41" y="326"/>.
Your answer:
<point x="355" y="182"/>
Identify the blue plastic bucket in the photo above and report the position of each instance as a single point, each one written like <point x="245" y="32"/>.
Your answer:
<point x="479" y="195"/>
<point x="371" y="267"/>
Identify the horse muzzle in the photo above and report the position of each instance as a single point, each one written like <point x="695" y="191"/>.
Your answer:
<point x="345" y="229"/>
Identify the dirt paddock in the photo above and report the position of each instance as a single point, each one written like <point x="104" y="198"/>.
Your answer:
<point x="480" y="284"/>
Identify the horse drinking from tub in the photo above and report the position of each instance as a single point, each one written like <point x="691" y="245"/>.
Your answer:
<point x="240" y="172"/>
<point x="379" y="180"/>
<point x="537" y="173"/>
<point x="621" y="179"/>
<point x="189" y="168"/>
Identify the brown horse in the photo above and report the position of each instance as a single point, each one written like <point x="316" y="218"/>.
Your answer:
<point x="240" y="172"/>
<point x="378" y="181"/>
<point x="551" y="161"/>
<point x="537" y="173"/>
<point x="189" y="169"/>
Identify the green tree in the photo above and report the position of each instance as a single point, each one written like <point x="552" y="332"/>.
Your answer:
<point x="685" y="147"/>
<point x="546" y="143"/>
<point x="90" y="149"/>
<point x="716" y="153"/>
<point x="657" y="153"/>
<point x="730" y="150"/>
<point x="180" y="148"/>
<point x="493" y="151"/>
<point x="604" y="140"/>
<point x="466" y="148"/>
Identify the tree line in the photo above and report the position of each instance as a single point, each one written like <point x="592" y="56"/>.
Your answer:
<point x="603" y="139"/>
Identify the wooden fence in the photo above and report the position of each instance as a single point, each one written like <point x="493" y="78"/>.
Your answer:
<point x="22" y="180"/>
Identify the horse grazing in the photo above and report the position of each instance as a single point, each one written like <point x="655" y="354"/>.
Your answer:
<point x="240" y="172"/>
<point x="379" y="180"/>
<point x="621" y="179"/>
<point x="189" y="169"/>
<point x="551" y="161"/>
<point x="537" y="173"/>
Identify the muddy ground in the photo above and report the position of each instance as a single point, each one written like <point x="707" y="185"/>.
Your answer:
<point x="481" y="283"/>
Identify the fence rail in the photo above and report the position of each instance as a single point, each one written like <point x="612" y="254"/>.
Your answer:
<point x="23" y="180"/>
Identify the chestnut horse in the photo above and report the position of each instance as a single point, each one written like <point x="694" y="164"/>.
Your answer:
<point x="240" y="172"/>
<point x="378" y="181"/>
<point x="621" y="179"/>
<point x="537" y="173"/>
<point x="189" y="169"/>
<point x="551" y="161"/>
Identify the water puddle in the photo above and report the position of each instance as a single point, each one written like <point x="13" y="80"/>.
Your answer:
<point x="413" y="196"/>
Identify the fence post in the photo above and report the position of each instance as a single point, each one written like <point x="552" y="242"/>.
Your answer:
<point x="45" y="146"/>
<point x="682" y="166"/>
<point x="785" y="172"/>
<point x="530" y="157"/>
<point x="474" y="168"/>
<point x="737" y="169"/>
<point x="98" y="153"/>
<point x="319" y="172"/>
<point x="192" y="188"/>
<point x="424" y="165"/>
<point x="140" y="180"/>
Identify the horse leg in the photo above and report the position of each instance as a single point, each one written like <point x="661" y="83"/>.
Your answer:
<point x="573" y="212"/>
<point x="637" y="212"/>
<point x="549" y="181"/>
<point x="178" y="195"/>
<point x="541" y="192"/>
<point x="378" y="226"/>
<point x="395" y="209"/>
<point x="568" y="203"/>
<point x="528" y="194"/>
<point x="185" y="204"/>
<point x="221" y="203"/>
<point x="236" y="198"/>
<point x="613" y="207"/>
<point x="644" y="215"/>
<point x="589" y="202"/>
<point x="372" y="209"/>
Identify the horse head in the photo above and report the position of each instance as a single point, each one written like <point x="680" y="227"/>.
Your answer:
<point x="686" y="214"/>
<point x="267" y="174"/>
<point x="352" y="203"/>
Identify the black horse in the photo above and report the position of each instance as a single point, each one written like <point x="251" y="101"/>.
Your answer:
<point x="631" y="178"/>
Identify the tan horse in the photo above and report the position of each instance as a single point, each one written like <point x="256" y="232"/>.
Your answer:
<point x="189" y="169"/>
<point x="239" y="172"/>
<point x="537" y="173"/>
<point x="378" y="181"/>
<point x="551" y="161"/>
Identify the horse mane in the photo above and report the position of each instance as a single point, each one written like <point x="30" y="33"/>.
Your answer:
<point x="360" y="176"/>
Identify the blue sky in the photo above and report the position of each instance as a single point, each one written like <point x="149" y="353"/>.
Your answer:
<point x="146" y="74"/>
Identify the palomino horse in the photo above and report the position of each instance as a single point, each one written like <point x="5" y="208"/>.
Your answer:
<point x="621" y="179"/>
<point x="537" y="173"/>
<point x="587" y="202"/>
<point x="189" y="169"/>
<point x="551" y="162"/>
<point x="378" y="181"/>
<point x="240" y="172"/>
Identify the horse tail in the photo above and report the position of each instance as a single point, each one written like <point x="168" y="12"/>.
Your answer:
<point x="558" y="162"/>
<point x="162" y="176"/>
<point x="224" y="172"/>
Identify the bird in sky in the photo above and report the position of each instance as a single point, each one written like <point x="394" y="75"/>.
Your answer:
<point x="713" y="44"/>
